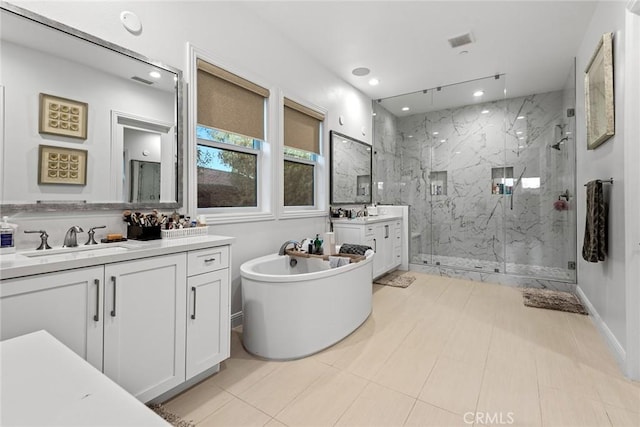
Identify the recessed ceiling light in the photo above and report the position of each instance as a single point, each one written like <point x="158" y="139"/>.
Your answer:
<point x="457" y="152"/>
<point x="405" y="108"/>
<point x="154" y="74"/>
<point x="443" y="140"/>
<point x="409" y="136"/>
<point x="520" y="117"/>
<point x="519" y="132"/>
<point x="484" y="112"/>
<point x="360" y="71"/>
<point x="435" y="133"/>
<point x="478" y="93"/>
<point x="374" y="82"/>
<point x="520" y="146"/>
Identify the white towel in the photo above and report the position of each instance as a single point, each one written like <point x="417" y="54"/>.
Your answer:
<point x="334" y="261"/>
<point x="343" y="261"/>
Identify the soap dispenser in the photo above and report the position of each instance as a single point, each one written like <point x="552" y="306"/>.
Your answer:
<point x="7" y="236"/>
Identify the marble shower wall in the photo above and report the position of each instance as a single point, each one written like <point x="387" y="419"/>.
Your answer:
<point x="469" y="221"/>
<point x="387" y="158"/>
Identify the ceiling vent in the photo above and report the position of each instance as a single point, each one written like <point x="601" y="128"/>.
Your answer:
<point x="461" y="40"/>
<point x="141" y="80"/>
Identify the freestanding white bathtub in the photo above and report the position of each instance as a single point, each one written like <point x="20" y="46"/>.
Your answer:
<point x="294" y="311"/>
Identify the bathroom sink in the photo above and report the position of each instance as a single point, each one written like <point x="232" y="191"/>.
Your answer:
<point x="76" y="252"/>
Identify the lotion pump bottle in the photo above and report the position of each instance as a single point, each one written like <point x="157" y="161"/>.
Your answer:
<point x="7" y="236"/>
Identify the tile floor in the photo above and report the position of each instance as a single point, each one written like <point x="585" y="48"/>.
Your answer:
<point x="443" y="352"/>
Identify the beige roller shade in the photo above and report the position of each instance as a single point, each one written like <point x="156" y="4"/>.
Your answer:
<point x="301" y="127"/>
<point x="229" y="102"/>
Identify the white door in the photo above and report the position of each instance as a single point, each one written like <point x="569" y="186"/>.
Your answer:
<point x="66" y="304"/>
<point x="144" y="327"/>
<point x="208" y="328"/>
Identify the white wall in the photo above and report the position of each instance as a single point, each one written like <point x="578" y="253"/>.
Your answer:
<point x="230" y="31"/>
<point x="632" y="189"/>
<point x="606" y="284"/>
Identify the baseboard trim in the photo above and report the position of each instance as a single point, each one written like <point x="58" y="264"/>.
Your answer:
<point x="236" y="319"/>
<point x="612" y="342"/>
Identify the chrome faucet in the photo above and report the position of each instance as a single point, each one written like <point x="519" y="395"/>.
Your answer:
<point x="283" y="248"/>
<point x="71" y="238"/>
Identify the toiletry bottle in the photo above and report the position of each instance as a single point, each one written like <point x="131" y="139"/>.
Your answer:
<point x="7" y="234"/>
<point x="317" y="243"/>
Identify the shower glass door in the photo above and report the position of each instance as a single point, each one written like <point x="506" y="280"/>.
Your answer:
<point x="541" y="216"/>
<point x="466" y="186"/>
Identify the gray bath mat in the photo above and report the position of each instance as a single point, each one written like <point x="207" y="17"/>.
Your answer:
<point x="553" y="300"/>
<point x="398" y="278"/>
<point x="170" y="417"/>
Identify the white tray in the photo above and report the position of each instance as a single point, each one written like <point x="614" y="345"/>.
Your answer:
<point x="185" y="232"/>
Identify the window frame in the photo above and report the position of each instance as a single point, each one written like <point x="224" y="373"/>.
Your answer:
<point x="265" y="161"/>
<point x="321" y="175"/>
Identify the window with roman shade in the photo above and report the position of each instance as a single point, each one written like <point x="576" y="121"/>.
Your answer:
<point x="302" y="146"/>
<point x="230" y="132"/>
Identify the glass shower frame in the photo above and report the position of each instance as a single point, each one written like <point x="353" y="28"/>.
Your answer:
<point x="482" y="179"/>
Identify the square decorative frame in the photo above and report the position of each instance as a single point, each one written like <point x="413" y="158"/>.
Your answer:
<point x="58" y="165"/>
<point x="598" y="91"/>
<point x="62" y="116"/>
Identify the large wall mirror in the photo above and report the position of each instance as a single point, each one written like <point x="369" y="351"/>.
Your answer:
<point x="350" y="170"/>
<point x="110" y="121"/>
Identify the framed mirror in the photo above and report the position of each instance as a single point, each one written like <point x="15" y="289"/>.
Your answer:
<point x="350" y="170"/>
<point x="69" y="90"/>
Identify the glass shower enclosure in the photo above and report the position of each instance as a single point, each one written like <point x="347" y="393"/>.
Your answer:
<point x="489" y="178"/>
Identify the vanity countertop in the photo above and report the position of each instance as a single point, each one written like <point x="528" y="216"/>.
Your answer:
<point x="45" y="383"/>
<point x="366" y="219"/>
<point x="46" y="261"/>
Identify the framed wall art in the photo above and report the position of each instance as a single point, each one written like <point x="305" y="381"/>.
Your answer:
<point x="598" y="92"/>
<point x="61" y="116"/>
<point x="57" y="165"/>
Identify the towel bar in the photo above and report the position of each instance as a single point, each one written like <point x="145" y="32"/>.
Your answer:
<point x="604" y="181"/>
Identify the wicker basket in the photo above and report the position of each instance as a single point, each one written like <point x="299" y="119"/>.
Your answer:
<point x="185" y="232"/>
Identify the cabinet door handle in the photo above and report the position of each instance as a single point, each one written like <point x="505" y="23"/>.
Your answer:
<point x="375" y="245"/>
<point x="193" y="316"/>
<point x="113" y="311"/>
<point x="96" y="316"/>
<point x="209" y="260"/>
<point x="386" y="231"/>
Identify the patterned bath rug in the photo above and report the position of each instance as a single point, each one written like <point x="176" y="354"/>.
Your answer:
<point x="170" y="417"/>
<point x="398" y="278"/>
<point x="553" y="300"/>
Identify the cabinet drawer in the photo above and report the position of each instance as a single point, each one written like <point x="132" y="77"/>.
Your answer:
<point x="369" y="230"/>
<point x="206" y="260"/>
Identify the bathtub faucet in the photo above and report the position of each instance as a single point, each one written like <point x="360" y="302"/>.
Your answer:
<point x="283" y="248"/>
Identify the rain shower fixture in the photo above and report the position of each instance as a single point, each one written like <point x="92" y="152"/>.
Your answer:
<point x="557" y="145"/>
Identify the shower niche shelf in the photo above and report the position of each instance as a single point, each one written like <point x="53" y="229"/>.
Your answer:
<point x="502" y="180"/>
<point x="438" y="181"/>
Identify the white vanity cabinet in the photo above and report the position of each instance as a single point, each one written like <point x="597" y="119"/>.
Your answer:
<point x="383" y="235"/>
<point x="155" y="319"/>
<point x="208" y="309"/>
<point x="144" y="325"/>
<point x="67" y="304"/>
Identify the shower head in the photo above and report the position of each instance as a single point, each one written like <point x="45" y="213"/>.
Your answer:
<point x="557" y="145"/>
